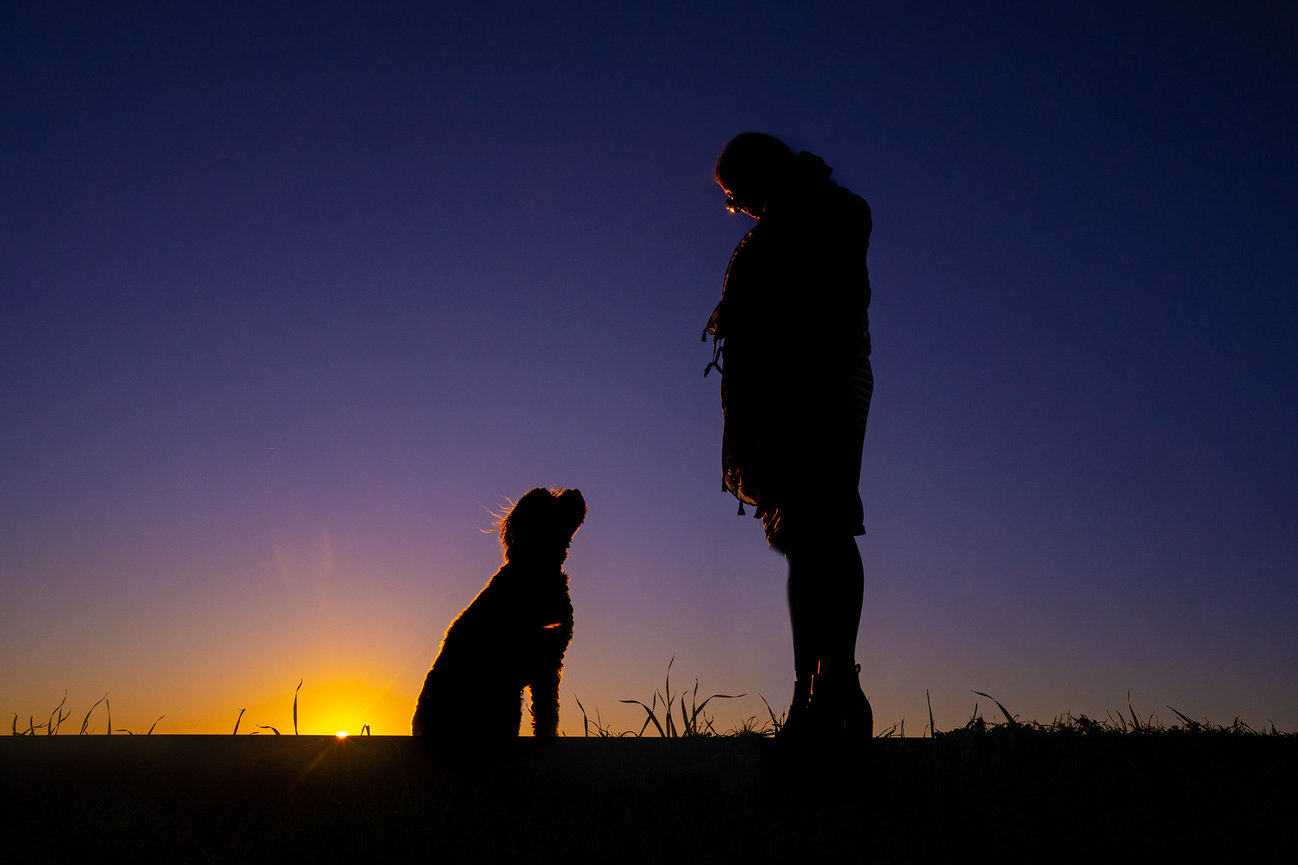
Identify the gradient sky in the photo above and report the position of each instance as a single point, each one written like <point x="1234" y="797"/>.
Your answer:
<point x="295" y="295"/>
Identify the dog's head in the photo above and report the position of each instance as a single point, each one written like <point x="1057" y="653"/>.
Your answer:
<point x="541" y="524"/>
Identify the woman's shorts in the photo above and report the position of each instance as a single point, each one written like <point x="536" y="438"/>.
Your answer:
<point x="819" y="494"/>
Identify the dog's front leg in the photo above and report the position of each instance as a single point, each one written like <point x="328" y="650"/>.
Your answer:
<point x="545" y="704"/>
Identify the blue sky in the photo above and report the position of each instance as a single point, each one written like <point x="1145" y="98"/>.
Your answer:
<point x="294" y="296"/>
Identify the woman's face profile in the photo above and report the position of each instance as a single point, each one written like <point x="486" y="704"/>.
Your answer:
<point x="739" y="201"/>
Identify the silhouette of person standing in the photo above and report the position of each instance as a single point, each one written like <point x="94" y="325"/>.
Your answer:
<point x="791" y="341"/>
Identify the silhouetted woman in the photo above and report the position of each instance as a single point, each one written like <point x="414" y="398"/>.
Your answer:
<point x="792" y="343"/>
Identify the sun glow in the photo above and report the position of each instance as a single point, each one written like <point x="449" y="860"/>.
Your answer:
<point x="348" y="707"/>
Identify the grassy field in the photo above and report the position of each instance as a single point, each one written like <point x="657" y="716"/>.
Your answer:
<point x="1072" y="791"/>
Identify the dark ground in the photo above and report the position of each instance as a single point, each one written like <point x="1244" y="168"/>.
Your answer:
<point x="1006" y="795"/>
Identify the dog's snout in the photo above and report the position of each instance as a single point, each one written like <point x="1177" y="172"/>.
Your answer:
<point x="575" y="503"/>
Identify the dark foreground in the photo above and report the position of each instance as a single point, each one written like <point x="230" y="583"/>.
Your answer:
<point x="1007" y="795"/>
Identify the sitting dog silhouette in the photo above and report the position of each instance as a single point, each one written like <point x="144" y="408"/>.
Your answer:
<point x="514" y="633"/>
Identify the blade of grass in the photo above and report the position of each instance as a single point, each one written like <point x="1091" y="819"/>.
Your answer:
<point x="652" y="718"/>
<point x="86" y="720"/>
<point x="237" y="720"/>
<point x="1189" y="724"/>
<point x="585" y="722"/>
<point x="295" y="690"/>
<point x="1009" y="719"/>
<point x="668" y="698"/>
<point x="52" y="726"/>
<point x="776" y="723"/>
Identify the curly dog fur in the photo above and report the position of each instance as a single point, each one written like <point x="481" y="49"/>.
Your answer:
<point x="514" y="633"/>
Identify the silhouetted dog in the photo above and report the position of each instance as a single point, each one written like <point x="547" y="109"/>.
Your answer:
<point x="514" y="633"/>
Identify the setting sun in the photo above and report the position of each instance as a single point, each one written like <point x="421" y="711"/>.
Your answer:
<point x="341" y="734"/>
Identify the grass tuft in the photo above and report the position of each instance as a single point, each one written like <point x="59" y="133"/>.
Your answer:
<point x="776" y="724"/>
<point x="693" y="721"/>
<point x="55" y="721"/>
<point x="601" y="732"/>
<point x="1119" y="724"/>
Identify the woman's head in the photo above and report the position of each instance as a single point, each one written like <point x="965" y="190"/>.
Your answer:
<point x="750" y="168"/>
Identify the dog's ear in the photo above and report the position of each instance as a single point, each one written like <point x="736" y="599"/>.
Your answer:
<point x="522" y="513"/>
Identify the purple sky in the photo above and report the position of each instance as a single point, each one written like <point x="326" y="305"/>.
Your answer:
<point x="291" y="299"/>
